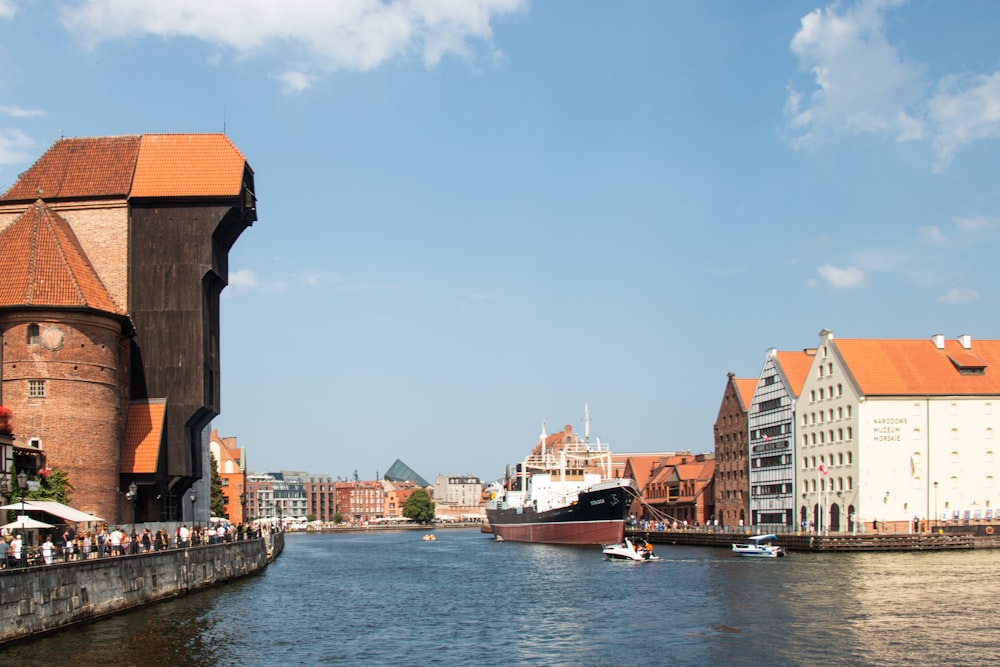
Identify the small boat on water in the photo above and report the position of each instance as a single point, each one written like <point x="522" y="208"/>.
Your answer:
<point x="639" y="550"/>
<point x="429" y="537"/>
<point x="760" y="546"/>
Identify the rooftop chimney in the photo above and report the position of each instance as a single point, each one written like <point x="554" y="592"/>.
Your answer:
<point x="938" y="341"/>
<point x="965" y="340"/>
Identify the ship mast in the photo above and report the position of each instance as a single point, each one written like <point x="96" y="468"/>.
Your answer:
<point x="586" y="423"/>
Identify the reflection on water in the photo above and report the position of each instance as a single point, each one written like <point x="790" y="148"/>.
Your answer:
<point x="392" y="598"/>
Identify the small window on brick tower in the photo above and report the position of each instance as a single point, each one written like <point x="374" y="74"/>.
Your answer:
<point x="36" y="388"/>
<point x="33" y="338"/>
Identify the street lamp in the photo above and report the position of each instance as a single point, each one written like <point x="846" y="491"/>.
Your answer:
<point x="132" y="492"/>
<point x="22" y="481"/>
<point x="194" y="497"/>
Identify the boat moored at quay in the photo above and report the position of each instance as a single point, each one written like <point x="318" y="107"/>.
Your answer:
<point x="562" y="493"/>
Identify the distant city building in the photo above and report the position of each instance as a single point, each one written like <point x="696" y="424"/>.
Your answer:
<point x="230" y="462"/>
<point x="396" y="494"/>
<point x="360" y="501"/>
<point x="681" y="489"/>
<point x="400" y="472"/>
<point x="458" y="491"/>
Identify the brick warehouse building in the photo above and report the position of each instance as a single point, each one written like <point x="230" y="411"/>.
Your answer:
<point x="114" y="253"/>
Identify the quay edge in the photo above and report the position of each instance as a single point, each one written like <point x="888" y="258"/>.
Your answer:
<point x="840" y="542"/>
<point x="43" y="599"/>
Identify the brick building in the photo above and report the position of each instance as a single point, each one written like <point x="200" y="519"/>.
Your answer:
<point x="115" y="250"/>
<point x="230" y="462"/>
<point x="732" y="497"/>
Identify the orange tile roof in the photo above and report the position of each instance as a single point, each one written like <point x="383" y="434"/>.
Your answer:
<point x="43" y="264"/>
<point x="79" y="168"/>
<point x="138" y="166"/>
<point x="744" y="390"/>
<point x="795" y="366"/>
<point x="888" y="367"/>
<point x="642" y="466"/>
<point x="188" y="165"/>
<point x="143" y="435"/>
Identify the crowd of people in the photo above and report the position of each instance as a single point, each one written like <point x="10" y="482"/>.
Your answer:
<point x="105" y="542"/>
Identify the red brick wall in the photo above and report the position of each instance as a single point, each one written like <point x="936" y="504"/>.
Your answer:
<point x="81" y="418"/>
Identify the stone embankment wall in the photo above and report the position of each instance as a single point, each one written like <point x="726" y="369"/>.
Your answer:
<point x="41" y="599"/>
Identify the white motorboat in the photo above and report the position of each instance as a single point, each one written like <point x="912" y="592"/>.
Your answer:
<point x="639" y="550"/>
<point x="760" y="546"/>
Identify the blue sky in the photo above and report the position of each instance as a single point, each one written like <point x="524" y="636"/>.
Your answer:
<point x="478" y="214"/>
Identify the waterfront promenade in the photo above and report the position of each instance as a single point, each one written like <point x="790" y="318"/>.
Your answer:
<point x="955" y="538"/>
<point x="37" y="599"/>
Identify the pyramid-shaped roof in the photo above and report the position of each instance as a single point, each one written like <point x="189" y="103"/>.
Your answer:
<point x="43" y="264"/>
<point x="134" y="166"/>
<point x="400" y="472"/>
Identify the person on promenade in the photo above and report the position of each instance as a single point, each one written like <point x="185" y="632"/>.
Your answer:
<point x="116" y="542"/>
<point x="15" y="551"/>
<point x="47" y="550"/>
<point x="133" y="542"/>
<point x="147" y="541"/>
<point x="102" y="542"/>
<point x="183" y="535"/>
<point x="4" y="552"/>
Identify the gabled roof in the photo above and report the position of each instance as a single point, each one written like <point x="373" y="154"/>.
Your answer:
<point x="136" y="166"/>
<point x="143" y="436"/>
<point x="795" y="366"/>
<point x="79" y="168"/>
<point x="744" y="391"/>
<point x="916" y="367"/>
<point x="642" y="466"/>
<point x="43" y="264"/>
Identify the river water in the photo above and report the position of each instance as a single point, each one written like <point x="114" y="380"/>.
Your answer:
<point x="391" y="598"/>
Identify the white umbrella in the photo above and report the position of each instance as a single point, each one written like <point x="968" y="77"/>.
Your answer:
<point x="26" y="523"/>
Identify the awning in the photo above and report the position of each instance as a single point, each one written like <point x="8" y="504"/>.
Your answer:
<point x="26" y="523"/>
<point x="54" y="508"/>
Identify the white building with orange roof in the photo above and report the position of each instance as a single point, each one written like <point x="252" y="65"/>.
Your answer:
<point x="771" y="426"/>
<point x="897" y="430"/>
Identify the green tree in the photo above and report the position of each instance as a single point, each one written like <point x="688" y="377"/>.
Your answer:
<point x="418" y="507"/>
<point x="338" y="518"/>
<point x="218" y="503"/>
<point x="53" y="484"/>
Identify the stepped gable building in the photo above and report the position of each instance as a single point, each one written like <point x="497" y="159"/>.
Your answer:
<point x="731" y="492"/>
<point x="899" y="431"/>
<point x="771" y="421"/>
<point x="115" y="250"/>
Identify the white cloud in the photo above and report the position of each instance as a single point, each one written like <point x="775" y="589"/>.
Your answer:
<point x="353" y="35"/>
<point x="860" y="83"/>
<point x="14" y="146"/>
<point x="295" y="82"/>
<point x="318" y="277"/>
<point x="18" y="112"/>
<point x="975" y="224"/>
<point x="6" y="9"/>
<point x="243" y="280"/>
<point x="959" y="295"/>
<point x="933" y="234"/>
<point x="842" y="278"/>
<point x="965" y="109"/>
